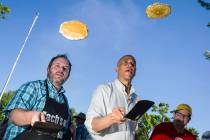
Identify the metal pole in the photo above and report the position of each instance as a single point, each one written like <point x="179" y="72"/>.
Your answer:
<point x="23" y="46"/>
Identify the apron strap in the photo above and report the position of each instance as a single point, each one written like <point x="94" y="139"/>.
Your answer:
<point x="47" y="92"/>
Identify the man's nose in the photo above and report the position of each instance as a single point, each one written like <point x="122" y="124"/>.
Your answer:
<point x="130" y="64"/>
<point x="61" y="69"/>
<point x="181" y="118"/>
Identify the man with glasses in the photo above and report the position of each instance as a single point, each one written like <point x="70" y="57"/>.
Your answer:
<point x="175" y="130"/>
<point x="110" y="102"/>
<point x="40" y="101"/>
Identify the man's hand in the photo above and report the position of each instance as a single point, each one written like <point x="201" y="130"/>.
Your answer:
<point x="117" y="115"/>
<point x="37" y="117"/>
<point x="23" y="117"/>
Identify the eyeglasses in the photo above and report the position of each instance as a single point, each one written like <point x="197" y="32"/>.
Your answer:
<point x="180" y="115"/>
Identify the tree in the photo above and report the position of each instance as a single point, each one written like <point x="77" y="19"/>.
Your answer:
<point x="194" y="131"/>
<point x="207" y="54"/>
<point x="4" y="101"/>
<point x="148" y="121"/>
<point x="72" y="114"/>
<point x="3" y="11"/>
<point x="205" y="5"/>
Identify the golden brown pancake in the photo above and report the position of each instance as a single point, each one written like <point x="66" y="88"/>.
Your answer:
<point x="158" y="10"/>
<point x="73" y="30"/>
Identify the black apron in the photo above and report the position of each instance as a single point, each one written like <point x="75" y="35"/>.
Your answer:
<point x="56" y="113"/>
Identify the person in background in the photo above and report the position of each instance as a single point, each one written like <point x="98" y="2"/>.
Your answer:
<point x="81" y="130"/>
<point x="41" y="100"/>
<point x="206" y="136"/>
<point x="110" y="102"/>
<point x="175" y="130"/>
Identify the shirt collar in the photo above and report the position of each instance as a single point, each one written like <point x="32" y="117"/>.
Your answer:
<point x="52" y="87"/>
<point x="121" y="87"/>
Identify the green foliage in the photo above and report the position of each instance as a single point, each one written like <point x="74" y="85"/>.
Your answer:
<point x="161" y="112"/>
<point x="204" y="4"/>
<point x="207" y="54"/>
<point x="194" y="132"/>
<point x="73" y="113"/>
<point x="4" y="101"/>
<point x="3" y="11"/>
<point x="148" y="121"/>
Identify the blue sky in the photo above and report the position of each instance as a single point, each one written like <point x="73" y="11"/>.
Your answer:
<point x="171" y="67"/>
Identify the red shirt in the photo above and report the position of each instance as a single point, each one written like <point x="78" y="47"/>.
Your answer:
<point x="166" y="131"/>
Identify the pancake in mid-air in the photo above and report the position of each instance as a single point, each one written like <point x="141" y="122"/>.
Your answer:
<point x="158" y="10"/>
<point x="73" y="30"/>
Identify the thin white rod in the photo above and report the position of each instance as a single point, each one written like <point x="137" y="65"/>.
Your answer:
<point x="23" y="46"/>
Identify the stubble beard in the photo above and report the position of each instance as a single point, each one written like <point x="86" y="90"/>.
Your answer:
<point x="57" y="83"/>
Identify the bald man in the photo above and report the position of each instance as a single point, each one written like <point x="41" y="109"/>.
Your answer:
<point x="110" y="102"/>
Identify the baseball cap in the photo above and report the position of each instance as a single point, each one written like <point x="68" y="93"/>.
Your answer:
<point x="183" y="107"/>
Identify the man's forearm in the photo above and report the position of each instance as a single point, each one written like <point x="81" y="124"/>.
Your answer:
<point x="101" y="123"/>
<point x="115" y="117"/>
<point x="21" y="117"/>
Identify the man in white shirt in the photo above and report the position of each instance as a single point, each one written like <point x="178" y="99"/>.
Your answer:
<point x="105" y="117"/>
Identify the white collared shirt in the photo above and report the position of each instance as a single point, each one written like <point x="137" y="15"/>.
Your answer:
<point x="105" y="98"/>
